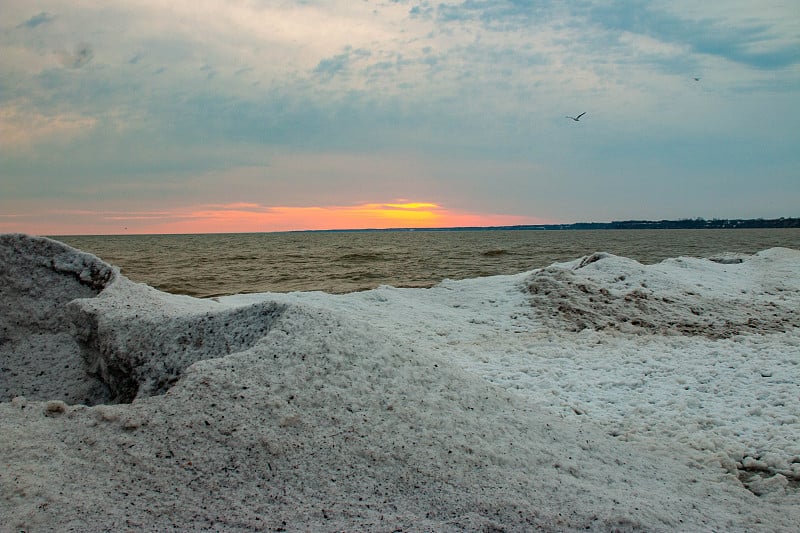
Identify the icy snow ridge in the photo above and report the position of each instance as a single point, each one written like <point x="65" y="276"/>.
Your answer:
<point x="683" y="296"/>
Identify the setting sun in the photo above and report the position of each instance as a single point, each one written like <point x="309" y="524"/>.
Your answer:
<point x="249" y="217"/>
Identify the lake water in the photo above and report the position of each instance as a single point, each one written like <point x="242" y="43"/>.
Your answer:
<point x="339" y="262"/>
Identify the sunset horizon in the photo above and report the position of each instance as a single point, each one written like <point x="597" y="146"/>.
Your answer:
<point x="244" y="217"/>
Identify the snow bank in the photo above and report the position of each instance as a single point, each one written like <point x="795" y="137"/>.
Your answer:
<point x="684" y="296"/>
<point x="393" y="409"/>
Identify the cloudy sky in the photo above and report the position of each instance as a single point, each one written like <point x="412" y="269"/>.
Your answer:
<point x="143" y="116"/>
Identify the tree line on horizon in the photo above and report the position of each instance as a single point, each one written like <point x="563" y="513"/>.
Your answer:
<point x="686" y="223"/>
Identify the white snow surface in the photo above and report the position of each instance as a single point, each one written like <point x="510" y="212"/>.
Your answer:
<point x="598" y="394"/>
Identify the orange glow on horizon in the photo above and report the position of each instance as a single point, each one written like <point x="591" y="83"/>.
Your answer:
<point x="248" y="217"/>
<point x="240" y="217"/>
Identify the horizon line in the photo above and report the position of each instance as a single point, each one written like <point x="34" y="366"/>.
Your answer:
<point x="685" y="223"/>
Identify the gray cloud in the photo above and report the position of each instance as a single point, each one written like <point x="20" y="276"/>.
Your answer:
<point x="79" y="58"/>
<point x="329" y="67"/>
<point x="423" y="10"/>
<point x="37" y="20"/>
<point x="340" y="63"/>
<point x="702" y="36"/>
<point x="498" y="15"/>
<point x="705" y="36"/>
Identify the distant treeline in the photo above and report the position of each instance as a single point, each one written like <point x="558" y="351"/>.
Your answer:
<point x="688" y="223"/>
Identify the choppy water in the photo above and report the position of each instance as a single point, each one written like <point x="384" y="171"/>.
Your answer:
<point x="218" y="264"/>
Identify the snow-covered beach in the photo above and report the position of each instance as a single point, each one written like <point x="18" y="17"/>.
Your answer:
<point x="597" y="394"/>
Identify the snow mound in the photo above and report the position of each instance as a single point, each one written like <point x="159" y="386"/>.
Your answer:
<point x="680" y="296"/>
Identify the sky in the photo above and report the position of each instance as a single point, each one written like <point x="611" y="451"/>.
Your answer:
<point x="143" y="116"/>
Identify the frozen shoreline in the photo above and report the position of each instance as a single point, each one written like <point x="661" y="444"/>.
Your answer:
<point x="475" y="404"/>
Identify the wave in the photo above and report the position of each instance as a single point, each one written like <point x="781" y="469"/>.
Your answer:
<point x="358" y="257"/>
<point x="495" y="253"/>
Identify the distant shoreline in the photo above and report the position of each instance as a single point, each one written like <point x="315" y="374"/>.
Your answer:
<point x="694" y="223"/>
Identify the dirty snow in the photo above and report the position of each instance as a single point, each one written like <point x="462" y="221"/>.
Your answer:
<point x="598" y="394"/>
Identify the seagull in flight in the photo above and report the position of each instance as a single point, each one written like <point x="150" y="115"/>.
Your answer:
<point x="697" y="79"/>
<point x="578" y="118"/>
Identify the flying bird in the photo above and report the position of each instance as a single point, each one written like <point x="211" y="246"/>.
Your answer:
<point x="578" y="118"/>
<point x="697" y="79"/>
